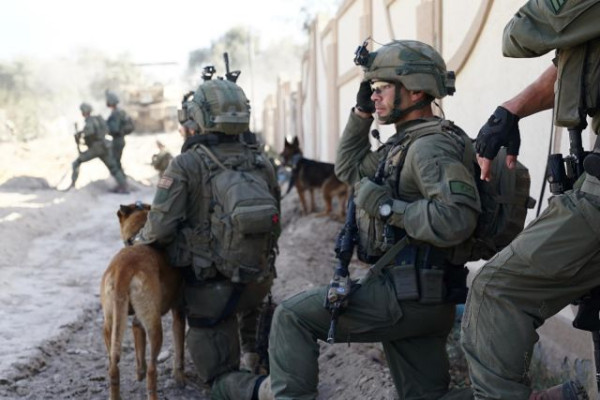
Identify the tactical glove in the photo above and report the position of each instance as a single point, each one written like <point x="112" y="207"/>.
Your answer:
<point x="363" y="98"/>
<point x="502" y="129"/>
<point x="370" y="196"/>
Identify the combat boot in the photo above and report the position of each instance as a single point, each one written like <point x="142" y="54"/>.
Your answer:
<point x="571" y="390"/>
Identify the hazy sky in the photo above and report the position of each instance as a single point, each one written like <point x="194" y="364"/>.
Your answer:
<point x="152" y="31"/>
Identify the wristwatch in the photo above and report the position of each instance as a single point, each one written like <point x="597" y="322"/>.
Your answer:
<point x="385" y="210"/>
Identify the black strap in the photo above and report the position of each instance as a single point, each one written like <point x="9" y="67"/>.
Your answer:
<point x="228" y="310"/>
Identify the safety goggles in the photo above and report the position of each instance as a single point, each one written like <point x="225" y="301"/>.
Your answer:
<point x="379" y="86"/>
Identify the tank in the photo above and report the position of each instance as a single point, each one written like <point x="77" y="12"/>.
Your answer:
<point x="150" y="109"/>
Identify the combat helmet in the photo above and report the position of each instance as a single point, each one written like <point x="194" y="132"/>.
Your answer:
<point x="85" y="108"/>
<point x="111" y="98"/>
<point x="219" y="106"/>
<point x="415" y="65"/>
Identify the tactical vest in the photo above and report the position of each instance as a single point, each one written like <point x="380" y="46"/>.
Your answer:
<point x="99" y="130"/>
<point x="238" y="224"/>
<point x="504" y="201"/>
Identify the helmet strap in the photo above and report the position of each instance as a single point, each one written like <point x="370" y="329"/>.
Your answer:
<point x="397" y="113"/>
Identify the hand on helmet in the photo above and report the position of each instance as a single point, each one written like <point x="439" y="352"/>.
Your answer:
<point x="370" y="196"/>
<point x="501" y="129"/>
<point x="363" y="98"/>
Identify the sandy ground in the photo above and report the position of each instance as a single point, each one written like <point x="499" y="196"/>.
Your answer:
<point x="56" y="245"/>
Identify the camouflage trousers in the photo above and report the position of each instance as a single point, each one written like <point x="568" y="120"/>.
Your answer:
<point x="413" y="336"/>
<point x="118" y="143"/>
<point x="103" y="152"/>
<point x="215" y="350"/>
<point x="552" y="262"/>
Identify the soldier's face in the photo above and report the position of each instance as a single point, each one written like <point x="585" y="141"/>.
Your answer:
<point x="383" y="96"/>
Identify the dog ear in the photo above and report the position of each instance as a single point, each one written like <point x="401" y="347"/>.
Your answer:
<point x="295" y="142"/>
<point x="147" y="207"/>
<point x="123" y="210"/>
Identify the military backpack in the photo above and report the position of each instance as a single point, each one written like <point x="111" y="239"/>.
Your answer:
<point x="243" y="213"/>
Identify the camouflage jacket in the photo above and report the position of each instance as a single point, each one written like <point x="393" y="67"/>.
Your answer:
<point x="115" y="122"/>
<point x="571" y="28"/>
<point x="94" y="130"/>
<point x="429" y="205"/>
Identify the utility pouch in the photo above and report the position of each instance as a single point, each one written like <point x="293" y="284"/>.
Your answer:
<point x="433" y="288"/>
<point x="404" y="278"/>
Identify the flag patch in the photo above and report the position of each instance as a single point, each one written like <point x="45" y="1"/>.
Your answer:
<point x="165" y="182"/>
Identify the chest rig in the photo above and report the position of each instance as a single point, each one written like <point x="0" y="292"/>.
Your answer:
<point x="419" y="271"/>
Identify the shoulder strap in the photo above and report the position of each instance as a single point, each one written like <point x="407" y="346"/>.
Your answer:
<point x="212" y="156"/>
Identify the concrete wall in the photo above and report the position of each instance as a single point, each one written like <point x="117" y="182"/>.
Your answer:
<point x="468" y="33"/>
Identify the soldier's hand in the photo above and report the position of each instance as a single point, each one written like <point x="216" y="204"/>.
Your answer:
<point x="363" y="98"/>
<point x="369" y="196"/>
<point x="501" y="129"/>
<point x="339" y="289"/>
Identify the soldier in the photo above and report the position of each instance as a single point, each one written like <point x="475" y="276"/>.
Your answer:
<point x="216" y="211"/>
<point x="555" y="259"/>
<point x="425" y="192"/>
<point x="119" y="125"/>
<point x="94" y="133"/>
<point x="161" y="160"/>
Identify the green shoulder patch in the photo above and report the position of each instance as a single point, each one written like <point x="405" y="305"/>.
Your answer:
<point x="556" y="5"/>
<point x="462" y="188"/>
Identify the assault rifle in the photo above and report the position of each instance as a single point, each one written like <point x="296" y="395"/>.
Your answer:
<point x="77" y="137"/>
<point x="340" y="286"/>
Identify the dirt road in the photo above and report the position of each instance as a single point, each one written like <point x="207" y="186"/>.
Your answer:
<point x="58" y="244"/>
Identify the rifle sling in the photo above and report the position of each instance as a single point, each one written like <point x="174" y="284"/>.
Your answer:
<point x="385" y="260"/>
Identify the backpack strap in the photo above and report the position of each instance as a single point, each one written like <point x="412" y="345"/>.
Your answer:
<point x="212" y="156"/>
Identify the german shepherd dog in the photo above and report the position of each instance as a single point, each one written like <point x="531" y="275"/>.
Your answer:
<point x="310" y="175"/>
<point x="140" y="282"/>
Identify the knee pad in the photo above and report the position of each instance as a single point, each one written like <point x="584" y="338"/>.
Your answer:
<point x="215" y="350"/>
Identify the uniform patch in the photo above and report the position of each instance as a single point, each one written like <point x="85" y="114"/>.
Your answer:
<point x="556" y="5"/>
<point x="462" y="188"/>
<point x="165" y="182"/>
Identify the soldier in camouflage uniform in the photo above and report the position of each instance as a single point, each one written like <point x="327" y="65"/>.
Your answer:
<point x="219" y="311"/>
<point x="430" y="197"/>
<point x="555" y="260"/>
<point x="116" y="122"/>
<point x="94" y="133"/>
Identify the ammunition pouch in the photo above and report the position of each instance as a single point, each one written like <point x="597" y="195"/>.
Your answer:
<point x="190" y="248"/>
<point x="372" y="243"/>
<point x="578" y="84"/>
<point x="422" y="274"/>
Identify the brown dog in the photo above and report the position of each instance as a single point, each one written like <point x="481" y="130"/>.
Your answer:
<point x="140" y="282"/>
<point x="310" y="175"/>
